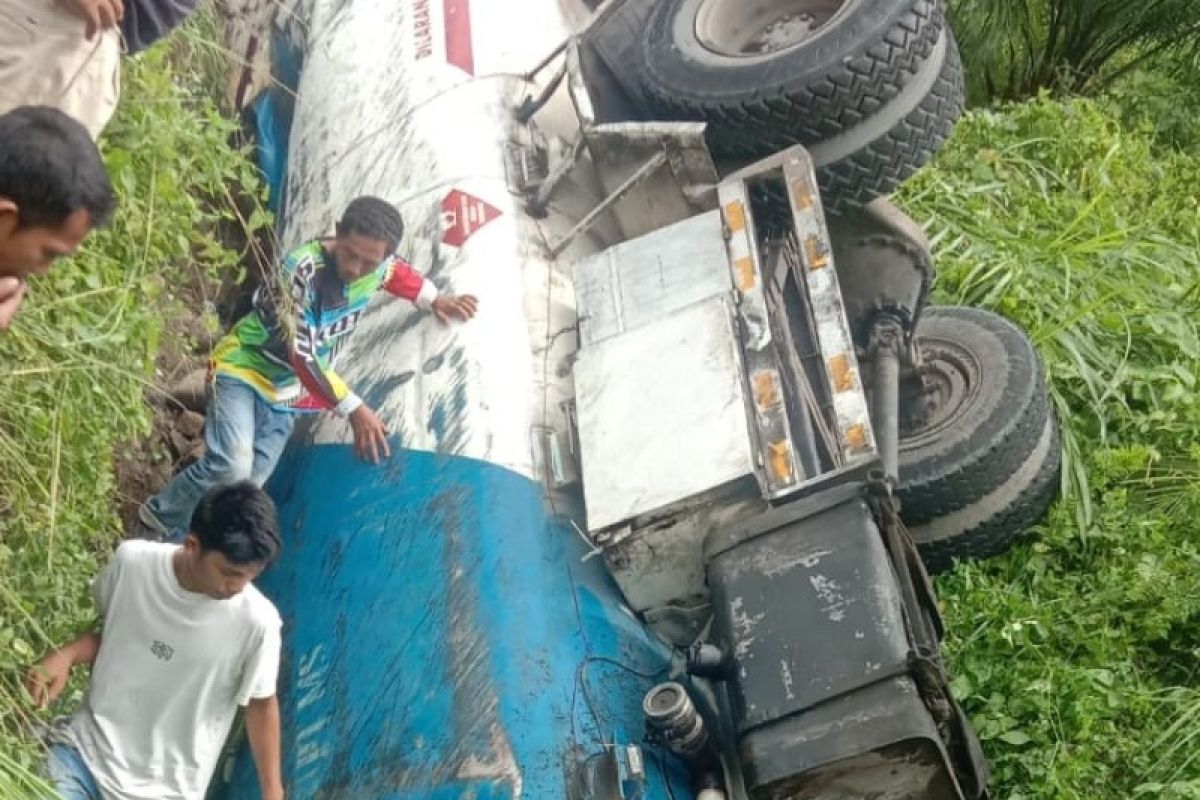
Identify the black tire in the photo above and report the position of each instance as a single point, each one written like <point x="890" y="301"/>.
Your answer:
<point x="989" y="526"/>
<point x="856" y="168"/>
<point x="872" y="94"/>
<point x="982" y="417"/>
<point x="980" y="451"/>
<point x="810" y="92"/>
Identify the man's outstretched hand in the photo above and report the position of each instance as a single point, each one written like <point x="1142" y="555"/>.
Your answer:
<point x="12" y="292"/>
<point x="370" y="435"/>
<point x="46" y="679"/>
<point x="100" y="15"/>
<point x="459" y="307"/>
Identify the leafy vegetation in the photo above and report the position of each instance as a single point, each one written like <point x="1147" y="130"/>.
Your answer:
<point x="74" y="367"/>
<point x="1076" y="654"/>
<point x="1016" y="48"/>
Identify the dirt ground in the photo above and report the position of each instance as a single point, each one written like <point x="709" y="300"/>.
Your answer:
<point x="176" y="438"/>
<point x="204" y="310"/>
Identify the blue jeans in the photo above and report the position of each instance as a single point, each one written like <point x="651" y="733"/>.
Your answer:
<point x="243" y="439"/>
<point x="70" y="776"/>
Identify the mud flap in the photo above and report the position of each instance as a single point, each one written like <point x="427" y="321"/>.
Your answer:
<point x="836" y="688"/>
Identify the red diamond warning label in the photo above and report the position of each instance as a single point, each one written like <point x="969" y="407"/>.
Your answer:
<point x="463" y="215"/>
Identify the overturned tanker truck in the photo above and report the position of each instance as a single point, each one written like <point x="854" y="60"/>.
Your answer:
<point x="657" y="522"/>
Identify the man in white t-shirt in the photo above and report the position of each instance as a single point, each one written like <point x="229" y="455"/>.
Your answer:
<point x="186" y="639"/>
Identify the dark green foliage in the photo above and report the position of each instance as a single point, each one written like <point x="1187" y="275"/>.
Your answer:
<point x="1016" y="48"/>
<point x="74" y="367"/>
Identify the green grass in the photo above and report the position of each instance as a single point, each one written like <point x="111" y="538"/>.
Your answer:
<point x="1076" y="654"/>
<point x="74" y="367"/>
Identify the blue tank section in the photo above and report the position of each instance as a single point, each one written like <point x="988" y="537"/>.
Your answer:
<point x="272" y="114"/>
<point x="445" y="636"/>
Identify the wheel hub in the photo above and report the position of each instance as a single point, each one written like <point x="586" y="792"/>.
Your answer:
<point x="763" y="27"/>
<point x="948" y="381"/>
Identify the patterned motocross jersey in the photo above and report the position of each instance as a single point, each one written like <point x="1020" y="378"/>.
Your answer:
<point x="285" y="347"/>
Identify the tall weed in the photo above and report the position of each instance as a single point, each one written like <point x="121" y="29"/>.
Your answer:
<point x="1015" y="48"/>
<point x="75" y="366"/>
<point x="1075" y="653"/>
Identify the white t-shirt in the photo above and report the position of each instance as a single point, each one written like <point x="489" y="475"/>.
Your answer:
<point x="172" y="669"/>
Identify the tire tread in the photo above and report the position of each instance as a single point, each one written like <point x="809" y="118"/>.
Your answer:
<point x="805" y="113"/>
<point x="997" y="533"/>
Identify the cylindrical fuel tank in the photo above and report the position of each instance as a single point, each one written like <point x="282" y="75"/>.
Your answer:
<point x="444" y="634"/>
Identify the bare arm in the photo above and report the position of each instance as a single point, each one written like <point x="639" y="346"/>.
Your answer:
<point x="404" y="281"/>
<point x="46" y="679"/>
<point x="262" y="728"/>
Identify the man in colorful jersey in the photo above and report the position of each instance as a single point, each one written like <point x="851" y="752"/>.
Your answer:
<point x="276" y="360"/>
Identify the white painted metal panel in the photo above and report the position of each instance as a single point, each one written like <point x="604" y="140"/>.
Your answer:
<point x="662" y="414"/>
<point x="642" y="280"/>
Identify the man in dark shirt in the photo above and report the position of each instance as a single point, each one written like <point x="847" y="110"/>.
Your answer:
<point x="147" y="21"/>
<point x="67" y="54"/>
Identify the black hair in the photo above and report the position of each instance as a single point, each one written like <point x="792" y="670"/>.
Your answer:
<point x="239" y="522"/>
<point x="51" y="168"/>
<point x="370" y="216"/>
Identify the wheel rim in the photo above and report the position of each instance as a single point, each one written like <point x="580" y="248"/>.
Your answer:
<point x="950" y="378"/>
<point x="754" y="28"/>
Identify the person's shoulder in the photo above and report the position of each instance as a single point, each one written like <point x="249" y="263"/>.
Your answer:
<point x="259" y="612"/>
<point x="133" y="551"/>
<point x="304" y="259"/>
<point x="312" y="250"/>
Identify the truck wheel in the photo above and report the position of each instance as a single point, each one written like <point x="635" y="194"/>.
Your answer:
<point x="988" y="526"/>
<point x="974" y="435"/>
<point x="871" y="87"/>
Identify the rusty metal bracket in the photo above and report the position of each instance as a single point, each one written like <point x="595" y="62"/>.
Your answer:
<point x="644" y="171"/>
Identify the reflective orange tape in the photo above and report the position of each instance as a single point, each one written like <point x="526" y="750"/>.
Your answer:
<point x="856" y="436"/>
<point x="735" y="216"/>
<point x="765" y="394"/>
<point x="801" y="196"/>
<point x="839" y="372"/>
<point x="743" y="272"/>
<point x="780" y="458"/>
<point x="816" y="257"/>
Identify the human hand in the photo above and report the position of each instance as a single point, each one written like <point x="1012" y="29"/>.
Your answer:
<point x="12" y="292"/>
<point x="460" y="307"/>
<point x="273" y="793"/>
<point x="370" y="435"/>
<point x="46" y="679"/>
<point x="100" y="15"/>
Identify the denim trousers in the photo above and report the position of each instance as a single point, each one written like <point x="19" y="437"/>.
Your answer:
<point x="243" y="439"/>
<point x="69" y="775"/>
